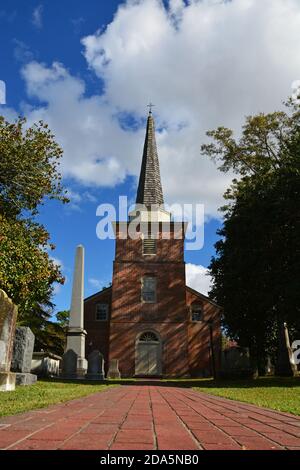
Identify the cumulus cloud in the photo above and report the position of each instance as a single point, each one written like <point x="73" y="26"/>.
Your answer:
<point x="95" y="283"/>
<point x="203" y="63"/>
<point x="95" y="146"/>
<point x="22" y="52"/>
<point x="198" y="278"/>
<point x="37" y="16"/>
<point x="77" y="199"/>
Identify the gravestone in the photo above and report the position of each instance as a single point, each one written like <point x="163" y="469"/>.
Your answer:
<point x="22" y="356"/>
<point x="113" y="372"/>
<point x="235" y="363"/>
<point x="45" y="364"/>
<point x="69" y="364"/>
<point x="95" y="366"/>
<point x="8" y="318"/>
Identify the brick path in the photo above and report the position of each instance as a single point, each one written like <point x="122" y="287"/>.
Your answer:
<point x="150" y="417"/>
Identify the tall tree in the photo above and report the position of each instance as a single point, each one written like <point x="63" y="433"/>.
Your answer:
<point x="257" y="264"/>
<point x="29" y="175"/>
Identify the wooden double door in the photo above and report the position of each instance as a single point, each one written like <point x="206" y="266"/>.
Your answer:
<point x="148" y="355"/>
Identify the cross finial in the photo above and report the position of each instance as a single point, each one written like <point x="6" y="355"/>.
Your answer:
<point x="150" y="106"/>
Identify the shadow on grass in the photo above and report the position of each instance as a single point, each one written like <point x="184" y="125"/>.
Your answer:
<point x="260" y="382"/>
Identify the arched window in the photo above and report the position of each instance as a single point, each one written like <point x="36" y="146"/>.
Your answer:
<point x="148" y="336"/>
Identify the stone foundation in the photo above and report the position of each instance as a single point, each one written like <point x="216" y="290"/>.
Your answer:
<point x="25" y="378"/>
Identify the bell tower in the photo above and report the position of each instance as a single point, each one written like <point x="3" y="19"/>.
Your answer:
<point x="149" y="321"/>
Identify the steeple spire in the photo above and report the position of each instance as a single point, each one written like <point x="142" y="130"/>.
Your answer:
<point x="149" y="189"/>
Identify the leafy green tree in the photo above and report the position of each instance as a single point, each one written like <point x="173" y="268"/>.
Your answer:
<point x="29" y="165"/>
<point x="29" y="175"/>
<point x="63" y="318"/>
<point x="256" y="269"/>
<point x="51" y="338"/>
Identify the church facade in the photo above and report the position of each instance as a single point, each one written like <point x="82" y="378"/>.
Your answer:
<point x="149" y="320"/>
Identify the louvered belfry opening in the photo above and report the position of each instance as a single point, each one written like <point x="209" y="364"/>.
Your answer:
<point x="149" y="246"/>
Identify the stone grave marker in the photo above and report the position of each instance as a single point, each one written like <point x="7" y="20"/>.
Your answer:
<point x="95" y="366"/>
<point x="22" y="356"/>
<point x="8" y="318"/>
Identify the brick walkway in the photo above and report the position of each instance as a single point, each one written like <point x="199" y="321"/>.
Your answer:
<point x="151" y="417"/>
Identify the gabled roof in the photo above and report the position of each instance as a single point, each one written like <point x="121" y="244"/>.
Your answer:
<point x="105" y="290"/>
<point x="204" y="297"/>
<point x="193" y="291"/>
<point x="149" y="189"/>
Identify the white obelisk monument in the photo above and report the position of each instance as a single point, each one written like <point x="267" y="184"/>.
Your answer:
<point x="76" y="333"/>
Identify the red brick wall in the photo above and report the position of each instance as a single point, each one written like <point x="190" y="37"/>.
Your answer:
<point x="199" y="347"/>
<point x="167" y="315"/>
<point x="186" y="348"/>
<point x="97" y="331"/>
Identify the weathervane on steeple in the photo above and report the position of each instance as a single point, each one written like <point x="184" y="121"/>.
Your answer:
<point x="150" y="106"/>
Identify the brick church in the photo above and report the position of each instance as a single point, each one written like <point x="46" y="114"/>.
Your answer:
<point x="149" y="319"/>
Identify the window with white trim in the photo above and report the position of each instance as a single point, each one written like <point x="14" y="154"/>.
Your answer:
<point x="102" y="312"/>
<point x="196" y="313"/>
<point x="149" y="289"/>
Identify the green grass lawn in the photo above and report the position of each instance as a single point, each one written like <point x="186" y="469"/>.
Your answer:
<point x="44" y="393"/>
<point x="282" y="394"/>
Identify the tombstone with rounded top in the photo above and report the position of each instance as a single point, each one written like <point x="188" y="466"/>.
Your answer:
<point x="69" y="364"/>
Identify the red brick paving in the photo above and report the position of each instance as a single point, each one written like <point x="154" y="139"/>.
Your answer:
<point x="151" y="417"/>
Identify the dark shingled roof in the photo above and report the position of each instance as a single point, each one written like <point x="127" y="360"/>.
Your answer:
<point x="149" y="189"/>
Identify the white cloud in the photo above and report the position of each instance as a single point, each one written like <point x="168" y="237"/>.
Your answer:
<point x="56" y="288"/>
<point x="77" y="199"/>
<point x="37" y="16"/>
<point x="57" y="262"/>
<point x="95" y="283"/>
<point x="198" y="278"/>
<point x="203" y="64"/>
<point x="2" y="92"/>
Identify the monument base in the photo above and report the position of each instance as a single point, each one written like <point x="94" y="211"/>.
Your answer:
<point x="25" y="378"/>
<point x="7" y="381"/>
<point x="113" y="371"/>
<point x="94" y="377"/>
<point x="82" y="366"/>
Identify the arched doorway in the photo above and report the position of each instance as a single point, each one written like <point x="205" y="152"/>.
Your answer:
<point x="148" y="354"/>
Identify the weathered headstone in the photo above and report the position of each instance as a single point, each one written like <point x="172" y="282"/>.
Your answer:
<point x="8" y="318"/>
<point x="113" y="372"/>
<point x="95" y="366"/>
<point x="22" y="356"/>
<point x="69" y="364"/>
<point x="235" y="363"/>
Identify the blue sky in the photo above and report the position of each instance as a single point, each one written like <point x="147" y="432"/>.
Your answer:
<point x="90" y="68"/>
